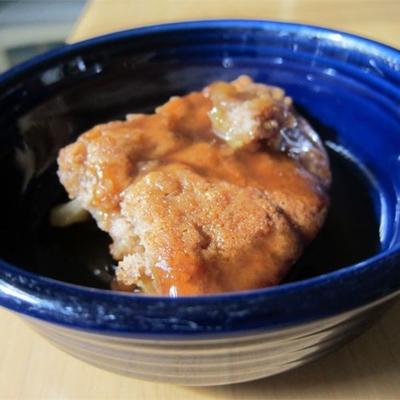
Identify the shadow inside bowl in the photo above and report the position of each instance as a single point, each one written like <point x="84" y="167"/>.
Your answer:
<point x="80" y="252"/>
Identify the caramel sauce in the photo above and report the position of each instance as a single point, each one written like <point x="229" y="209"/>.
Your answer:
<point x="190" y="212"/>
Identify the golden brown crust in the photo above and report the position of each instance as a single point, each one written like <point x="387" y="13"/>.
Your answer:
<point x="190" y="212"/>
<point x="246" y="114"/>
<point x="204" y="235"/>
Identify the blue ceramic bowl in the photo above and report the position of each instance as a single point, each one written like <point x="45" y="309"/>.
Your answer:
<point x="347" y="86"/>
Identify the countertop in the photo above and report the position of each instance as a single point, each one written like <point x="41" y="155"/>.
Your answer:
<point x="367" y="368"/>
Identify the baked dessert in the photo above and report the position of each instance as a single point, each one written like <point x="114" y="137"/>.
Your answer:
<point x="217" y="191"/>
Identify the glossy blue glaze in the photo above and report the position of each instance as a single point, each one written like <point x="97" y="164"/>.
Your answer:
<point x="349" y="85"/>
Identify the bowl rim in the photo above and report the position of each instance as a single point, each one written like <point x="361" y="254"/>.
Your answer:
<point x="184" y="25"/>
<point x="331" y="277"/>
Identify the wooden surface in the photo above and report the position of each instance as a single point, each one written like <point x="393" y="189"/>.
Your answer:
<point x="378" y="19"/>
<point x="368" y="368"/>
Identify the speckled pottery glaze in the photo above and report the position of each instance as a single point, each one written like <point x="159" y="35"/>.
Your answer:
<point x="347" y="86"/>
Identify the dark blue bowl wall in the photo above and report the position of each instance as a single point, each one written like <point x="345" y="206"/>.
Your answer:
<point x="348" y="96"/>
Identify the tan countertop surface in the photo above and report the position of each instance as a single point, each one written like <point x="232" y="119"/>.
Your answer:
<point x="367" y="368"/>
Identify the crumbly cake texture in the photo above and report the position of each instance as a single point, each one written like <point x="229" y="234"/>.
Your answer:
<point x="217" y="191"/>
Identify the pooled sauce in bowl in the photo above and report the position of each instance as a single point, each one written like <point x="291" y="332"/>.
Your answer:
<point x="218" y="191"/>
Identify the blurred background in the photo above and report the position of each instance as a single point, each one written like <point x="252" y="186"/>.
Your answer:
<point x="29" y="27"/>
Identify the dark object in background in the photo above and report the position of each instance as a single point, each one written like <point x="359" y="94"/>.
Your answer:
<point x="28" y="28"/>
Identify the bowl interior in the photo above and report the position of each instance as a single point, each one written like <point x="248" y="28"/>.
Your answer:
<point x="345" y="89"/>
